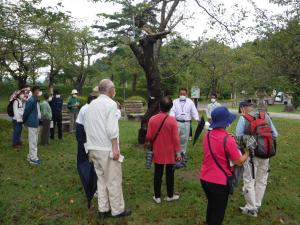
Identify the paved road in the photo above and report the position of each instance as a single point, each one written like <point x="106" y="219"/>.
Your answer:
<point x="273" y="115"/>
<point x="4" y="116"/>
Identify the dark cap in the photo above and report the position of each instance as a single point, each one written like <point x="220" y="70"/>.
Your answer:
<point x="245" y="103"/>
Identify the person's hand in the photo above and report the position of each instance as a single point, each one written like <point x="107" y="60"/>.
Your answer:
<point x="247" y="152"/>
<point x="116" y="153"/>
<point x="178" y="157"/>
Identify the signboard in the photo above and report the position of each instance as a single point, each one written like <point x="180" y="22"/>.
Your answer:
<point x="195" y="92"/>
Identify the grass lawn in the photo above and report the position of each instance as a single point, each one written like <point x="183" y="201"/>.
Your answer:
<point x="52" y="194"/>
<point x="3" y="103"/>
<point x="279" y="109"/>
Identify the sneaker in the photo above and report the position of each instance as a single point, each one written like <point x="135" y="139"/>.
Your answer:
<point x="174" y="198"/>
<point x="157" y="200"/>
<point x="127" y="212"/>
<point x="248" y="212"/>
<point x="104" y="215"/>
<point x="35" y="162"/>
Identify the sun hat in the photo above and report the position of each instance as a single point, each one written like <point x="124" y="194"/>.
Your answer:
<point x="221" y="117"/>
<point x="74" y="91"/>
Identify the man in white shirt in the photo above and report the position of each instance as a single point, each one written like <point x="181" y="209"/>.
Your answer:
<point x="213" y="105"/>
<point x="184" y="110"/>
<point x="102" y="131"/>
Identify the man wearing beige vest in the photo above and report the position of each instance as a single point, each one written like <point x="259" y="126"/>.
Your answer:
<point x="102" y="131"/>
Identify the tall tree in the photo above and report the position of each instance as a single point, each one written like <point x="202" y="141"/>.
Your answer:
<point x="143" y="26"/>
<point x="21" y="42"/>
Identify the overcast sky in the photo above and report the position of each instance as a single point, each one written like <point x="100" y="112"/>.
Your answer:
<point x="85" y="12"/>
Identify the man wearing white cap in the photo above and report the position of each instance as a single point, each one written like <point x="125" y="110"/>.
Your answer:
<point x="73" y="106"/>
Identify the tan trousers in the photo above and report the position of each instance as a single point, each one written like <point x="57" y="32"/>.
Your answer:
<point x="254" y="189"/>
<point x="109" y="184"/>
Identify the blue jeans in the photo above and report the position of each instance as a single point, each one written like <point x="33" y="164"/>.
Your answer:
<point x="17" y="131"/>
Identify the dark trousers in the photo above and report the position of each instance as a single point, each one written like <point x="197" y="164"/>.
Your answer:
<point x="158" y="173"/>
<point x="191" y="130"/>
<point x="17" y="131"/>
<point x="217" y="196"/>
<point x="81" y="139"/>
<point x="57" y="122"/>
<point x="45" y="132"/>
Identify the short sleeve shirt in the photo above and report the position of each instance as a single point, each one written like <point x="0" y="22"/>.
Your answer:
<point x="210" y="172"/>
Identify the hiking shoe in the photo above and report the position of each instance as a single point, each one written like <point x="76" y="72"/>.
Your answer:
<point x="127" y="212"/>
<point x="35" y="162"/>
<point x="248" y="212"/>
<point x="174" y="198"/>
<point x="157" y="200"/>
<point x="104" y="215"/>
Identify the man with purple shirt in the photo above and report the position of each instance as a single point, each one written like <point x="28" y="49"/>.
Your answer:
<point x="184" y="111"/>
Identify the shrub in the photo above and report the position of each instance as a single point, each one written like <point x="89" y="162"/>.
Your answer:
<point x="119" y="99"/>
<point x="137" y="98"/>
<point x="82" y="100"/>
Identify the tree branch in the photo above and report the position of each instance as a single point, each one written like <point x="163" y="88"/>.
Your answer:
<point x="217" y="20"/>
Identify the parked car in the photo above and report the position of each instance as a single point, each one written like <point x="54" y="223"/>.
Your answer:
<point x="279" y="97"/>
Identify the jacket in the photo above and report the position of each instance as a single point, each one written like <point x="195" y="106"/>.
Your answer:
<point x="18" y="107"/>
<point x="73" y="104"/>
<point x="46" y="112"/>
<point x="167" y="143"/>
<point x="101" y="123"/>
<point x="56" y="105"/>
<point x="31" y="113"/>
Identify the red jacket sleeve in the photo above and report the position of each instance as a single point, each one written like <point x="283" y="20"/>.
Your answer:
<point x="175" y="136"/>
<point x="232" y="150"/>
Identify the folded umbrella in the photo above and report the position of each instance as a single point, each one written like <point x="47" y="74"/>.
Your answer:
<point x="88" y="179"/>
<point x="199" y="129"/>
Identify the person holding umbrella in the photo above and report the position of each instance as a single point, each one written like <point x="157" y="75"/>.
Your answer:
<point x="215" y="173"/>
<point x="184" y="111"/>
<point x="102" y="132"/>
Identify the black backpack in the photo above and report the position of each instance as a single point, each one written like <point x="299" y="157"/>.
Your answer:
<point x="10" y="108"/>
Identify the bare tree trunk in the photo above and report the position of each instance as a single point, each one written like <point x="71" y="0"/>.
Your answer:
<point x="134" y="83"/>
<point x="146" y="58"/>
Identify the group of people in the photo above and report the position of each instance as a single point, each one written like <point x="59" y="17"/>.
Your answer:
<point x="32" y="108"/>
<point x="168" y="132"/>
<point x="97" y="133"/>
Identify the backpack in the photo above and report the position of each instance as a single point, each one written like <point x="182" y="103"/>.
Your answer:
<point x="10" y="108"/>
<point x="260" y="128"/>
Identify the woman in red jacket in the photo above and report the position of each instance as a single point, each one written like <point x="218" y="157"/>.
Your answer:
<point x="166" y="148"/>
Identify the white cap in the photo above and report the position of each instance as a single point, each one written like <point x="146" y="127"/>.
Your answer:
<point x="74" y="91"/>
<point x="96" y="89"/>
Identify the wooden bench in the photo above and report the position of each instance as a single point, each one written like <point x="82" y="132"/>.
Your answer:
<point x="66" y="120"/>
<point x="134" y="109"/>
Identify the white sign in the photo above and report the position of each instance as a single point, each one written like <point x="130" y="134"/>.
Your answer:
<point x="195" y="92"/>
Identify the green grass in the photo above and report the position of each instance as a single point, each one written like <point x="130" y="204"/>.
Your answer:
<point x="51" y="193"/>
<point x="279" y="109"/>
<point x="3" y="103"/>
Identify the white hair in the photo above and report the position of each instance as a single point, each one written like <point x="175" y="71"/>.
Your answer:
<point x="105" y="85"/>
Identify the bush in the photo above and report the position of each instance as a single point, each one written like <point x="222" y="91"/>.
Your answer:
<point x="119" y="99"/>
<point x="82" y="100"/>
<point x="137" y="98"/>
